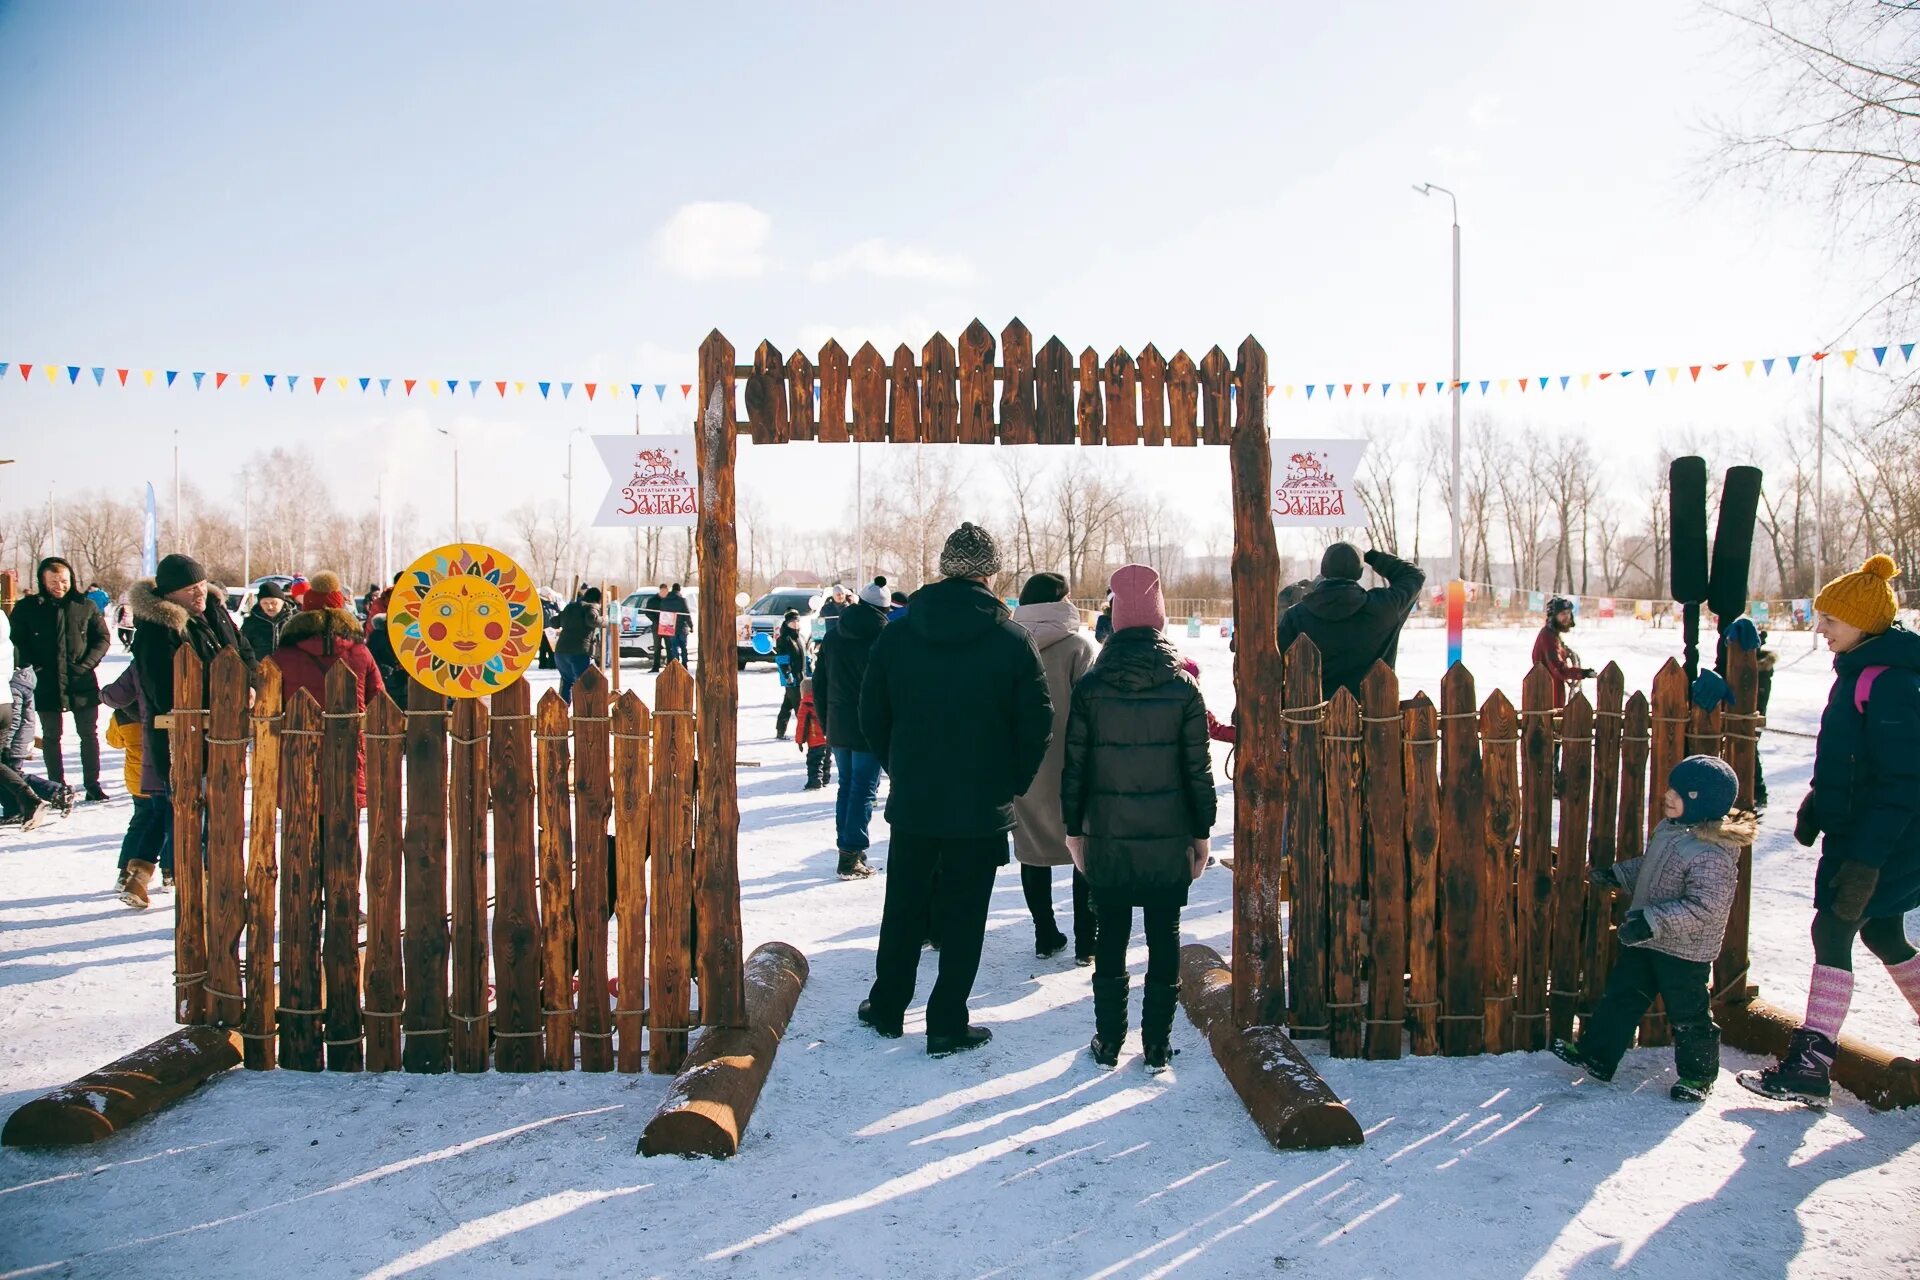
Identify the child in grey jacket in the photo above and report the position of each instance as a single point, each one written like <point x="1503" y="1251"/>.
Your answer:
<point x="1682" y="891"/>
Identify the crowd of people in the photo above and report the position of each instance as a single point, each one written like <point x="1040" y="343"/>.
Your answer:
<point x="1007" y="732"/>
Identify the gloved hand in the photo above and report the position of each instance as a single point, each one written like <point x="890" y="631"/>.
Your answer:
<point x="1853" y="886"/>
<point x="1588" y="673"/>
<point x="1635" y="928"/>
<point x="1602" y="878"/>
<point x="1197" y="858"/>
<point x="1077" y="850"/>
<point x="1806" y="827"/>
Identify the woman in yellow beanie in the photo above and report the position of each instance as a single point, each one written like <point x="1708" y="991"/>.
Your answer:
<point x="1865" y="802"/>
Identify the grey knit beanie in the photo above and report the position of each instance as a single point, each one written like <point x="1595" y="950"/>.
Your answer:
<point x="970" y="553"/>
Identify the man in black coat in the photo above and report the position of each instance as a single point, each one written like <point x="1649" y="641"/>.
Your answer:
<point x="63" y="636"/>
<point x="955" y="706"/>
<point x="1353" y="627"/>
<point x="269" y="614"/>
<point x="653" y="606"/>
<point x="177" y="606"/>
<point x="838" y="672"/>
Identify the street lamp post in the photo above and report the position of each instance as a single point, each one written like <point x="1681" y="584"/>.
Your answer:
<point x="1459" y="546"/>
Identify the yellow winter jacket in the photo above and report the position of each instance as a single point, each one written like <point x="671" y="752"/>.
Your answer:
<point x="127" y="738"/>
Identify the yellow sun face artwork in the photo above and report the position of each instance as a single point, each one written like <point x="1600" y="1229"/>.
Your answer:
<point x="464" y="621"/>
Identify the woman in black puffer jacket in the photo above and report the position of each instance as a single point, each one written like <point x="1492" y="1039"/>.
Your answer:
<point x="1137" y="796"/>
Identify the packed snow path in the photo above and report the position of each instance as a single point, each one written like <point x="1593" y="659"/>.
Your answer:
<point x="868" y="1159"/>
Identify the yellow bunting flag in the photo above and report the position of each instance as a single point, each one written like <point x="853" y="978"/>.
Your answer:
<point x="519" y="388"/>
<point x="147" y="376"/>
<point x="341" y="383"/>
<point x="1850" y="356"/>
<point x="245" y="378"/>
<point x="1673" y="372"/>
<point x="1748" y="366"/>
<point x="1503" y="385"/>
<point x="1584" y="379"/>
<point x="53" y="372"/>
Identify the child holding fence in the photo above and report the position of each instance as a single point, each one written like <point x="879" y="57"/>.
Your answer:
<point x="1682" y="892"/>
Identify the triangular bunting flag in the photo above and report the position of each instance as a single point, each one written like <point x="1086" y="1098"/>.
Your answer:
<point x="26" y="371"/>
<point x="1543" y="384"/>
<point x="1309" y="391"/>
<point x="245" y="378"/>
<point x="1673" y="373"/>
<point x="340" y="383"/>
<point x="1906" y="351"/>
<point x="196" y="380"/>
<point x="1721" y="367"/>
<point x="660" y="391"/>
<point x="1419" y="388"/>
<point x="1233" y="393"/>
<point x="1819" y="355"/>
<point x="1483" y="386"/>
<point x="1793" y="364"/>
<point x="219" y="380"/>
<point x="453" y="386"/>
<point x="73" y="374"/>
<point x="1329" y="388"/>
<point x="433" y="387"/>
<point x="1583" y="381"/>
<point x="363" y="383"/>
<point x="1523" y="385"/>
<point x="270" y="378"/>
<point x="4" y="366"/>
<point x="293" y="380"/>
<point x="1503" y="385"/>
<point x="52" y="371"/>
<point x="171" y="375"/>
<point x="590" y="386"/>
<point x="384" y="384"/>
<point x="1348" y="388"/>
<point x="1748" y="366"/>
<point x="1879" y="355"/>
<point x="99" y="374"/>
<point x="408" y="383"/>
<point x="319" y="381"/>
<point x="543" y="389"/>
<point x="1766" y="367"/>
<point x="473" y="388"/>
<point x="636" y="389"/>
<point x="1288" y="390"/>
<point x="566" y="389"/>
<point x="501" y="387"/>
<point x="1850" y="356"/>
<point x="1694" y="370"/>
<point x="1650" y="374"/>
<point x="1365" y="387"/>
<point x="1605" y="376"/>
<point x="519" y="388"/>
<point x="686" y="389"/>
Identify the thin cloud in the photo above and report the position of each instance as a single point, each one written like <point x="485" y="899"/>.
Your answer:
<point x="885" y="260"/>
<point x="713" y="240"/>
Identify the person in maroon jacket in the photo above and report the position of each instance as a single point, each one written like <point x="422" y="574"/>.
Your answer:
<point x="1550" y="651"/>
<point x="324" y="634"/>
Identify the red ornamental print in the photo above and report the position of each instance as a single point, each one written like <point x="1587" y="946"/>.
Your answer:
<point x="1309" y="489"/>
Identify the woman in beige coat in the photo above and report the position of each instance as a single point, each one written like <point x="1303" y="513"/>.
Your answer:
<point x="1040" y="833"/>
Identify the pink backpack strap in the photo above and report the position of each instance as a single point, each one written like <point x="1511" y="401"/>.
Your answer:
<point x="1863" y="687"/>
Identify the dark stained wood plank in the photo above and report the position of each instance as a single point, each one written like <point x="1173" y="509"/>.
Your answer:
<point x="903" y="398"/>
<point x="1216" y="397"/>
<point x="187" y="744"/>
<point x="869" y="375"/>
<point x="1636" y="744"/>
<point x="385" y="960"/>
<point x="1422" y="736"/>
<point x="632" y="798"/>
<point x="340" y="861"/>
<point x="261" y="1044"/>
<point x="1183" y="400"/>
<point x="226" y="867"/>
<point x="976" y="384"/>
<point x="556" y="881"/>
<point x="1153" y="395"/>
<point x="1463" y="844"/>
<point x="1671" y="710"/>
<point x="1123" y="419"/>
<point x="1259" y="969"/>
<point x="1533" y="916"/>
<point x="766" y="397"/>
<point x="1609" y="714"/>
<point x="940" y="391"/>
<point x="1090" y="417"/>
<point x="1742" y="746"/>
<point x="834" y="375"/>
<point x="1017" y="387"/>
<point x="800" y="404"/>
<point x="516" y="905"/>
<point x="592" y="811"/>
<point x="428" y="1033"/>
<point x="1386" y="853"/>
<point x="300" y="1011"/>
<point x="1500" y="744"/>
<point x="670" y="928"/>
<point x="1053" y="382"/>
<point x="1304" y="803"/>
<point x="1570" y="865"/>
<point x="468" y="799"/>
<point x="1346" y="943"/>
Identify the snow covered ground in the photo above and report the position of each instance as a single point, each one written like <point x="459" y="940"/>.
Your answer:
<point x="868" y="1159"/>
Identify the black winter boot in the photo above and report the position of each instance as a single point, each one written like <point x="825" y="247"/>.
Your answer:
<point x="1802" y="1074"/>
<point x="1109" y="1018"/>
<point x="1156" y="1024"/>
<point x="1571" y="1053"/>
<point x="1696" y="1059"/>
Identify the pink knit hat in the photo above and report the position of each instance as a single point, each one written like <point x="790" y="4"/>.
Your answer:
<point x="1136" y="598"/>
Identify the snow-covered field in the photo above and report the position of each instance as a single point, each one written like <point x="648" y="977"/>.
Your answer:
<point x="868" y="1159"/>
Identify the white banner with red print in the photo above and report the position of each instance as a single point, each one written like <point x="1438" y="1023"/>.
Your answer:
<point x="1314" y="483"/>
<point x="654" y="479"/>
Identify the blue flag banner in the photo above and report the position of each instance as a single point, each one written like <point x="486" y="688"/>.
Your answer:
<point x="73" y="374"/>
<point x="383" y="385"/>
<point x="1793" y="364"/>
<point x="473" y="388"/>
<point x="270" y="381"/>
<point x="660" y="388"/>
<point x="1906" y="351"/>
<point x="364" y="382"/>
<point x="543" y="389"/>
<point x="198" y="377"/>
<point x="1879" y="355"/>
<point x="171" y="375"/>
<point x="566" y="389"/>
<point x="99" y="374"/>
<point x="636" y="389"/>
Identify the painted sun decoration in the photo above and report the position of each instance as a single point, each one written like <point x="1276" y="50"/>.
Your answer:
<point x="464" y="621"/>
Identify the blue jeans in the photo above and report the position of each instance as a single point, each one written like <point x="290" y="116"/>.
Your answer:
<point x="572" y="667"/>
<point x="149" y="835"/>
<point x="853" y="807"/>
<point x="677" y="645"/>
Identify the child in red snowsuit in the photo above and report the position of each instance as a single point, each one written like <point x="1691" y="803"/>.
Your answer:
<point x="811" y="734"/>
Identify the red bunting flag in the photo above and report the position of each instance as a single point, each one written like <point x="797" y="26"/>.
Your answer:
<point x="686" y="389"/>
<point x="1694" y="369"/>
<point x="123" y="376"/>
<point x="1717" y="368"/>
<point x="319" y="381"/>
<point x="590" y="387"/>
<point x="26" y="370"/>
<point x="1819" y="355"/>
<point x="1346" y="388"/>
<point x="1523" y="386"/>
<point x="1365" y="387"/>
<point x="409" y="382"/>
<point x="1606" y="375"/>
<point x="1420" y="389"/>
<point x="501" y="387"/>
<point x="219" y="380"/>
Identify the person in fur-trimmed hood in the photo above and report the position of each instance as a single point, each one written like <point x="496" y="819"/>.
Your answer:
<point x="1682" y="891"/>
<point x="169" y="610"/>
<point x="324" y="634"/>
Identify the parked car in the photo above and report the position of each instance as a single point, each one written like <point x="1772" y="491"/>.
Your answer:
<point x="636" y="625"/>
<point x="764" y="615"/>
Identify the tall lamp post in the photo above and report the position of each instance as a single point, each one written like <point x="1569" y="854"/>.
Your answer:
<point x="1459" y="546"/>
<point x="448" y="433"/>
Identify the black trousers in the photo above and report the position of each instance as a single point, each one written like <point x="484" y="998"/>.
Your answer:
<point x="87" y="721"/>
<point x="1638" y="976"/>
<point x="19" y="797"/>
<point x="1036" y="883"/>
<point x="951" y="880"/>
<point x="819" y="766"/>
<point x="1161" y="920"/>
<point x="789" y="703"/>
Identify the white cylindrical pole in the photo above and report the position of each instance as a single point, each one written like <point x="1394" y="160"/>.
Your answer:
<point x="246" y="534"/>
<point x="1820" y="482"/>
<point x="1459" y="542"/>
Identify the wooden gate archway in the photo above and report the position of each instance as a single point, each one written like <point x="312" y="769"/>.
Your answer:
<point x="983" y="393"/>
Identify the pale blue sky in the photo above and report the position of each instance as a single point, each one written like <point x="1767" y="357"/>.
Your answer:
<point x="479" y="191"/>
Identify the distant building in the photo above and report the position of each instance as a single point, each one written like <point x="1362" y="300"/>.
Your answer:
<point x="788" y="578"/>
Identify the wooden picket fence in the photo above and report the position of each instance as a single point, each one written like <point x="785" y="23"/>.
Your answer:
<point x="1437" y="859"/>
<point x="486" y="840"/>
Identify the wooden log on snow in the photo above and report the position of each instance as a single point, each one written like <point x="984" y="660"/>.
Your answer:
<point x="106" y="1101"/>
<point x="1881" y="1079"/>
<point x="1289" y="1102"/>
<point x="711" y="1100"/>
